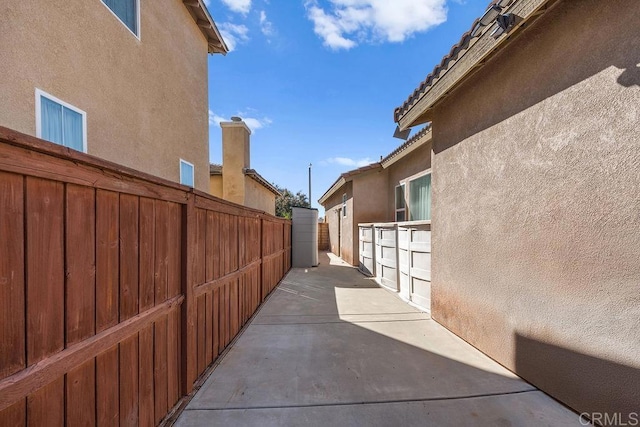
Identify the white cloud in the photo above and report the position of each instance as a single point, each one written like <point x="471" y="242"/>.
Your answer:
<point x="234" y="34"/>
<point x="265" y="25"/>
<point x="345" y="161"/>
<point x="252" y="122"/>
<point x="240" y="6"/>
<point x="349" y="22"/>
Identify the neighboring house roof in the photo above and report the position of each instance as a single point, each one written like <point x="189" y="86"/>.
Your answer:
<point x="346" y="177"/>
<point x="419" y="139"/>
<point x="465" y="57"/>
<point x="251" y="173"/>
<point x="205" y="22"/>
<point x="215" y="169"/>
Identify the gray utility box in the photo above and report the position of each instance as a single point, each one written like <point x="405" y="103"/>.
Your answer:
<point x="304" y="237"/>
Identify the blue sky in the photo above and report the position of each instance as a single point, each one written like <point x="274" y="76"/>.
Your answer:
<point x="318" y="80"/>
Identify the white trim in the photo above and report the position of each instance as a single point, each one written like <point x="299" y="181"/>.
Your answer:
<point x="39" y="94"/>
<point x="407" y="189"/>
<point x="395" y="199"/>
<point x="344" y="205"/>
<point x="125" y="25"/>
<point x="193" y="170"/>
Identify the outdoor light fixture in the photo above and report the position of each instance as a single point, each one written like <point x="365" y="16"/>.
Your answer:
<point x="401" y="134"/>
<point x="505" y="23"/>
<point x="489" y="16"/>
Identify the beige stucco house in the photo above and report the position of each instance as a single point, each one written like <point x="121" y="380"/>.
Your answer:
<point x="536" y="194"/>
<point x="396" y="189"/>
<point x="124" y="80"/>
<point x="234" y="180"/>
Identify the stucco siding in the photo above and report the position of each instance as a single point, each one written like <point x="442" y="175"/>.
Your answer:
<point x="145" y="99"/>
<point x="536" y="219"/>
<point x="258" y="197"/>
<point x="215" y="185"/>
<point x="341" y="227"/>
<point x="414" y="163"/>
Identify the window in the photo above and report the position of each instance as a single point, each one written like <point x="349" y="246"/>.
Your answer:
<point x="59" y="122"/>
<point x="400" y="204"/>
<point x="420" y="198"/>
<point x="186" y="173"/>
<point x="344" y="205"/>
<point x="127" y="11"/>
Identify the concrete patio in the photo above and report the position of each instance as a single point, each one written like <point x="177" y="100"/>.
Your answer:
<point x="332" y="348"/>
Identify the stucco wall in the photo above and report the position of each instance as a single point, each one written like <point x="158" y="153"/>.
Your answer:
<point x="415" y="162"/>
<point x="369" y="194"/>
<point x="337" y="222"/>
<point x="258" y="197"/>
<point x="536" y="218"/>
<point x="215" y="185"/>
<point x="145" y="99"/>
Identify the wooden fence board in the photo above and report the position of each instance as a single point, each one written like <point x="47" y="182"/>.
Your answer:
<point x="108" y="389"/>
<point x="129" y="381"/>
<point x="80" y="263"/>
<point x="14" y="415"/>
<point x="173" y="364"/>
<point x="160" y="369"/>
<point x="80" y="301"/>
<point x="107" y="259"/>
<point x="12" y="290"/>
<point x="129" y="272"/>
<point x="161" y="252"/>
<point x="145" y="377"/>
<point x="81" y="395"/>
<point x="146" y="254"/>
<point x="45" y="269"/>
<point x="45" y="407"/>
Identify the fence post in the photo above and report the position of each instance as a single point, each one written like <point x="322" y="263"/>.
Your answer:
<point x="188" y="354"/>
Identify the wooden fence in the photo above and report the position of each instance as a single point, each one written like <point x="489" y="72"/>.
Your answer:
<point x="117" y="289"/>
<point x="398" y="255"/>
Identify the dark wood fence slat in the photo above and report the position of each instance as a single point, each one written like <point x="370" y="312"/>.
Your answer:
<point x="129" y="381"/>
<point x="45" y="269"/>
<point x="146" y="254"/>
<point x="145" y="378"/>
<point x="160" y="369"/>
<point x="108" y="387"/>
<point x="173" y="364"/>
<point x="107" y="259"/>
<point x="129" y="240"/>
<point x="12" y="289"/>
<point x="81" y="395"/>
<point x="14" y="415"/>
<point x="45" y="407"/>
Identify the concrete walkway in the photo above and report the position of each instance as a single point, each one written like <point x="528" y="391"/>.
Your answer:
<point x="330" y="348"/>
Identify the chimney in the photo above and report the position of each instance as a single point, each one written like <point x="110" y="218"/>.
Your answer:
<point x="235" y="158"/>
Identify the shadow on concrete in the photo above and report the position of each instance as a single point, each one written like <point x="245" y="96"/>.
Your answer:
<point x="331" y="347"/>
<point x="588" y="384"/>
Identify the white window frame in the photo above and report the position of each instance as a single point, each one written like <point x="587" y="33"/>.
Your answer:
<point x="395" y="200"/>
<point x="39" y="95"/>
<point x="193" y="168"/>
<point x="344" y="205"/>
<point x="407" y="195"/>
<point x="125" y="25"/>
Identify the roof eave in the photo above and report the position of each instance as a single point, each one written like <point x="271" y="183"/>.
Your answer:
<point x="251" y="173"/>
<point x="207" y="25"/>
<point x="453" y="70"/>
<point x="331" y="191"/>
<point x="421" y="138"/>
